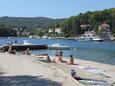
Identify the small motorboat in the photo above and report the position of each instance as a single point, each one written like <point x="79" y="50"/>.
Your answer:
<point x="26" y="43"/>
<point x="58" y="47"/>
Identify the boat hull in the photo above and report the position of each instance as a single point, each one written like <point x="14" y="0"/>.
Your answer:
<point x="89" y="40"/>
<point x="58" y="48"/>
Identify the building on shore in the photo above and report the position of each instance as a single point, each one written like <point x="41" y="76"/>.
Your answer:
<point x="104" y="31"/>
<point x="57" y="30"/>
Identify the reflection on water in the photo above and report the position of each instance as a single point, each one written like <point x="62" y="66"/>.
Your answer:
<point x="103" y="52"/>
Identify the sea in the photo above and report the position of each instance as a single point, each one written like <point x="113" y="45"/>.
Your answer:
<point x="102" y="52"/>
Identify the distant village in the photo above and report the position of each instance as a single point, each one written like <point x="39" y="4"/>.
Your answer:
<point x="103" y="32"/>
<point x="21" y="32"/>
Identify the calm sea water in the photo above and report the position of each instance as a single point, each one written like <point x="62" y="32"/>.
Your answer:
<point x="103" y="52"/>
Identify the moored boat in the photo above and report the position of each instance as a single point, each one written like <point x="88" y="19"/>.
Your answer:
<point x="89" y="36"/>
<point x="58" y="47"/>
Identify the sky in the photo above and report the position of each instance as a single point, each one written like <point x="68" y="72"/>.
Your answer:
<point x="51" y="8"/>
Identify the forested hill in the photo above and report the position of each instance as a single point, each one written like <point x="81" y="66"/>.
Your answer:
<point x="31" y="22"/>
<point x="90" y="20"/>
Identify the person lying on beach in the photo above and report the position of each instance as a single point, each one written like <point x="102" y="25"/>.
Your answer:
<point x="71" y="61"/>
<point x="2" y="49"/>
<point x="10" y="51"/>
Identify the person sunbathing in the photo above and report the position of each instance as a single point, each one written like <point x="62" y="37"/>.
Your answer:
<point x="27" y="52"/>
<point x="58" y="59"/>
<point x="48" y="59"/>
<point x="71" y="61"/>
<point x="2" y="49"/>
<point x="11" y="51"/>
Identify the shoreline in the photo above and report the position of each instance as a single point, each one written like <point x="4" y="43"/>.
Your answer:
<point x="98" y="70"/>
<point x="106" y="70"/>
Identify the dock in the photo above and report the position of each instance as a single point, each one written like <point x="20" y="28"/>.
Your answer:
<point x="20" y="47"/>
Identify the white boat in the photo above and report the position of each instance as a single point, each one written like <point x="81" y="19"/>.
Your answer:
<point x="89" y="36"/>
<point x="45" y="37"/>
<point x="30" y="37"/>
<point x="57" y="46"/>
<point x="26" y="43"/>
<point x="34" y="36"/>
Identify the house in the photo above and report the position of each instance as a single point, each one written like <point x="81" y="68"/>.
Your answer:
<point x="58" y="30"/>
<point x="104" y="31"/>
<point x="50" y="30"/>
<point x="25" y="33"/>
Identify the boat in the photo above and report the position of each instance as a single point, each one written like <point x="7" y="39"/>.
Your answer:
<point x="89" y="36"/>
<point x="34" y="36"/>
<point x="58" y="47"/>
<point x="30" y="37"/>
<point x="26" y="43"/>
<point x="45" y="37"/>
